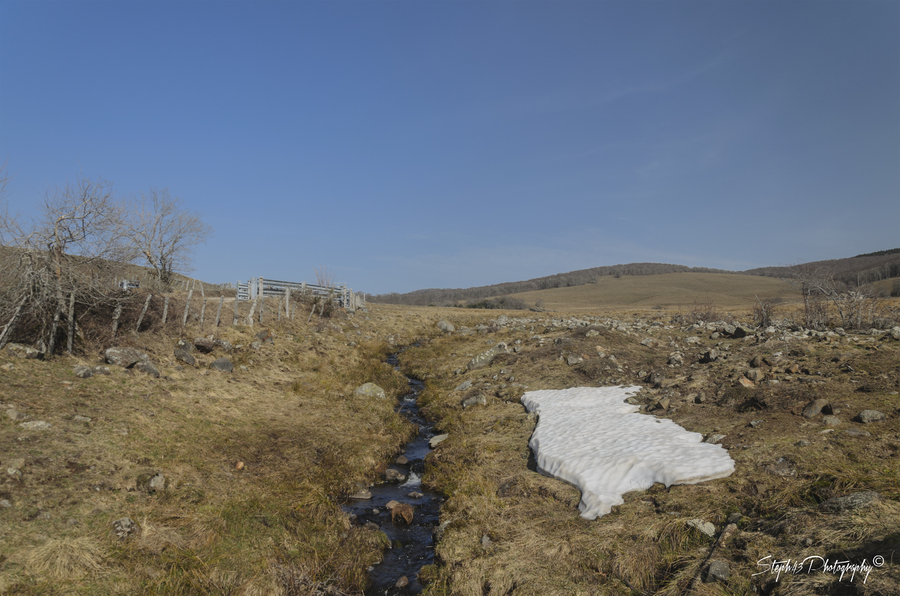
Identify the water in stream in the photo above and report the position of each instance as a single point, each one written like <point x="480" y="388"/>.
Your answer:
<point x="413" y="544"/>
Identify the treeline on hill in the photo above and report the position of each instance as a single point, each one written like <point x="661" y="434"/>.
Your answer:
<point x="854" y="272"/>
<point x="478" y="297"/>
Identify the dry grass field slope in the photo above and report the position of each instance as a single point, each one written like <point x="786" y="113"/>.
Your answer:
<point x="669" y="290"/>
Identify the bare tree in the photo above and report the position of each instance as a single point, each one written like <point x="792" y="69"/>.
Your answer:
<point x="856" y="307"/>
<point x="76" y="248"/>
<point x="324" y="277"/>
<point x="165" y="233"/>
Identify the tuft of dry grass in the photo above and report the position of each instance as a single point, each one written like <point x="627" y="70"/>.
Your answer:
<point x="65" y="558"/>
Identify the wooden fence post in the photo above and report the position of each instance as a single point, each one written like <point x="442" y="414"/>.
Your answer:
<point x="71" y="335"/>
<point x="203" y="307"/>
<point x="187" y="307"/>
<point x="262" y="302"/>
<point x="234" y="319"/>
<point x="219" y="310"/>
<point x="252" y="310"/>
<point x="287" y="303"/>
<point x="165" y="309"/>
<point x="116" y="314"/>
<point x="143" y="312"/>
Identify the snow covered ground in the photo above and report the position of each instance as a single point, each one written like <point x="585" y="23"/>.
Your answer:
<point x="590" y="437"/>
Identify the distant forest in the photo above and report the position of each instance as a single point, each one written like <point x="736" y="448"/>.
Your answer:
<point x="854" y="271"/>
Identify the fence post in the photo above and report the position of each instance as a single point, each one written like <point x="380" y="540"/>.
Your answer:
<point x="219" y="310"/>
<point x="187" y="307"/>
<point x="252" y="310"/>
<point x="262" y="303"/>
<point x="143" y="312"/>
<point x="202" y="307"/>
<point x="71" y="335"/>
<point x="165" y="309"/>
<point x="234" y="319"/>
<point x="287" y="302"/>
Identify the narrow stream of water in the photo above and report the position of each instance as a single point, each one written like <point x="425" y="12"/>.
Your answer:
<point x="412" y="545"/>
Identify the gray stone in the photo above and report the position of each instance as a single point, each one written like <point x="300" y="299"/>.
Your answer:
<point x="125" y="527"/>
<point x="446" y="326"/>
<point x="101" y="370"/>
<point x="831" y="420"/>
<point x="755" y="375"/>
<point x="83" y="372"/>
<point x="714" y="439"/>
<point x="184" y="345"/>
<point x="184" y="356"/>
<point x="402" y="582"/>
<point x="221" y="364"/>
<point x="463" y="386"/>
<point x="858" y="432"/>
<point x="486" y="357"/>
<point x="363" y="494"/>
<point x="392" y="475"/>
<point x="475" y="400"/>
<point x="662" y="405"/>
<point x="157" y="483"/>
<point x="145" y="366"/>
<point x="868" y="416"/>
<point x="203" y="345"/>
<point x="717" y="572"/>
<point x="223" y="345"/>
<point x="124" y="357"/>
<point x="36" y="425"/>
<point x="895" y="333"/>
<point x="370" y="390"/>
<point x="704" y="526"/>
<point x="573" y="359"/>
<point x="437" y="440"/>
<point x="15" y="464"/>
<point x="22" y="351"/>
<point x="4" y="504"/>
<point x="849" y="502"/>
<point x="814" y="408"/>
<point x="710" y="356"/>
<point x="15" y="415"/>
<point x="80" y="418"/>
<point x="756" y="423"/>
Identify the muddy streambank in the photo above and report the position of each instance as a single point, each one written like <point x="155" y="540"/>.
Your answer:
<point x="412" y="544"/>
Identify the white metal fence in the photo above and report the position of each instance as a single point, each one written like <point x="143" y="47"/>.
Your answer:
<point x="271" y="288"/>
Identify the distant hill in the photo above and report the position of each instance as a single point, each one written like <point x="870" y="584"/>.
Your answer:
<point x="859" y="270"/>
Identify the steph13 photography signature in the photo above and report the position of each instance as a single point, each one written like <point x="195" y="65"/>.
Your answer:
<point x="817" y="564"/>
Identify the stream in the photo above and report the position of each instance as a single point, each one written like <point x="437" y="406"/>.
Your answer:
<point x="412" y="545"/>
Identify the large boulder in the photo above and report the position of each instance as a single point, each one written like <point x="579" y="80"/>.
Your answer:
<point x="124" y="357"/>
<point x="370" y="390"/>
<point x="184" y="356"/>
<point x="203" y="345"/>
<point x="145" y="366"/>
<point x="487" y="357"/>
<point x="22" y="351"/>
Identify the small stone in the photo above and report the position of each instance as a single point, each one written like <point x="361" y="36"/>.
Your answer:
<point x="437" y="440"/>
<point x="714" y="439"/>
<point x="662" y="404"/>
<point x="850" y="502"/>
<point x="857" y="432"/>
<point x="239" y="465"/>
<point x="101" y="370"/>
<point x="755" y="375"/>
<point x="145" y="366"/>
<point x="475" y="400"/>
<point x="8" y="366"/>
<point x="704" y="526"/>
<point x="402" y="582"/>
<point x="802" y="443"/>
<point x="83" y="372"/>
<point x="717" y="572"/>
<point x="869" y="416"/>
<point x="463" y="386"/>
<point x="392" y="475"/>
<point x="36" y="425"/>
<point x="5" y="504"/>
<point x="446" y="326"/>
<point x="485" y="541"/>
<point x="183" y="355"/>
<point x="745" y="382"/>
<point x="22" y="351"/>
<point x="125" y="357"/>
<point x="203" y="345"/>
<point x="756" y="423"/>
<point x="363" y="494"/>
<point x="573" y="359"/>
<point x="370" y="390"/>
<point x="80" y="418"/>
<point x="124" y="527"/>
<point x="831" y="420"/>
<point x="221" y="364"/>
<point x="415" y="495"/>
<point x="401" y="460"/>
<point x="814" y="408"/>
<point x="157" y="483"/>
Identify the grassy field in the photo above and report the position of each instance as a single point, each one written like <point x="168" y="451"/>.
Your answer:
<point x="671" y="290"/>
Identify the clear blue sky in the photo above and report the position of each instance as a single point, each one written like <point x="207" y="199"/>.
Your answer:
<point x="409" y="145"/>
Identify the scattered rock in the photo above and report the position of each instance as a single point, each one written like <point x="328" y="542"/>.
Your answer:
<point x="80" y="418"/>
<point x="265" y="337"/>
<point x="714" y="439"/>
<point x="745" y="382"/>
<point x="83" y="372"/>
<point x="222" y="344"/>
<point x="849" y="502"/>
<point x="756" y="423"/>
<point x="783" y="467"/>
<point x="8" y="366"/>
<point x="124" y="357"/>
<point x="362" y="494"/>
<point x="400" y="511"/>
<point x="392" y="475"/>
<point x="463" y="386"/>
<point x="148" y="367"/>
<point x="125" y="527"/>
<point x="704" y="526"/>
<point x="814" y="408"/>
<point x="487" y="357"/>
<point x="15" y="415"/>
<point x="36" y="425"/>
<point x="221" y="364"/>
<point x="858" y="432"/>
<point x="370" y="390"/>
<point x="831" y="420"/>
<point x="755" y="375"/>
<point x="21" y="351"/>
<point x="15" y="464"/>
<point x="802" y="443"/>
<point x="868" y="416"/>
<point x="662" y="405"/>
<point x="574" y="359"/>
<point x="401" y="460"/>
<point x="475" y="400"/>
<point x="101" y="370"/>
<point x="437" y="440"/>
<point x="710" y="356"/>
<point x="157" y="483"/>
<point x="402" y="582"/>
<point x="184" y="356"/>
<point x="446" y="326"/>
<point x="203" y="345"/>
<point x="5" y="504"/>
<point x="717" y="572"/>
<point x="415" y="495"/>
<point x="485" y="541"/>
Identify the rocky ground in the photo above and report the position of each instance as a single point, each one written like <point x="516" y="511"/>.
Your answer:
<point x="191" y="463"/>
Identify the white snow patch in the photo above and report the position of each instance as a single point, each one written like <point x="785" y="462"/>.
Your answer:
<point x="590" y="437"/>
